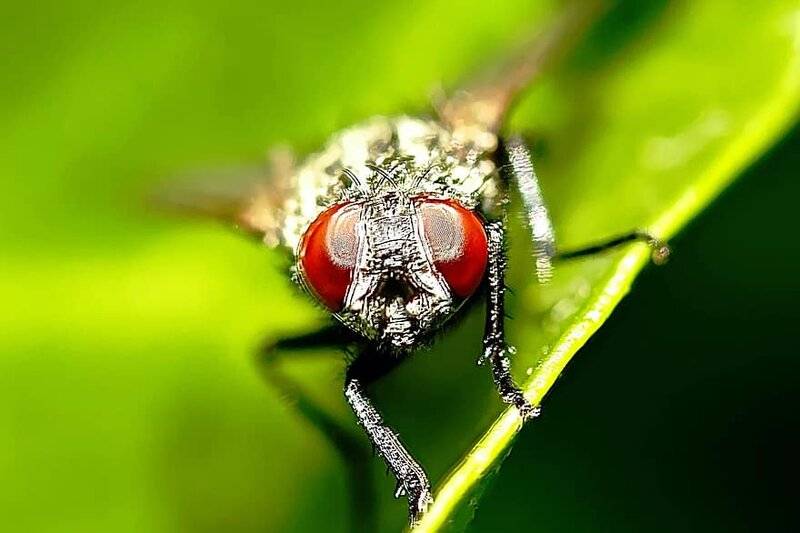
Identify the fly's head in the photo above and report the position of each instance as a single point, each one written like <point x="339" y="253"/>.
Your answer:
<point x="395" y="266"/>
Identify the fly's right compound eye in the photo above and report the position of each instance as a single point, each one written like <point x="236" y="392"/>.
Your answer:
<point x="328" y="253"/>
<point x="458" y="243"/>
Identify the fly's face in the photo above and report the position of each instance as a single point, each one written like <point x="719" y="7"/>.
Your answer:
<point x="395" y="267"/>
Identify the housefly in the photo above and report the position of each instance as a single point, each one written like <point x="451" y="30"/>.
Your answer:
<point x="396" y="222"/>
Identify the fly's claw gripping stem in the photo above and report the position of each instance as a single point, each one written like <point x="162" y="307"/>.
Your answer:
<point x="419" y="498"/>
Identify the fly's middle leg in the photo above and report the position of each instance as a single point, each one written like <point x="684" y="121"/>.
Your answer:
<point x="537" y="216"/>
<point x="659" y="250"/>
<point x="522" y="174"/>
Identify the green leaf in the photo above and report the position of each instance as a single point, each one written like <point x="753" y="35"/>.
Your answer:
<point x="644" y="138"/>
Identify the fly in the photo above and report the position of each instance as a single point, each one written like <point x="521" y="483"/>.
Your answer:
<point x="395" y="223"/>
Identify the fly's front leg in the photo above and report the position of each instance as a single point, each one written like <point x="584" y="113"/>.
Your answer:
<point x="540" y="225"/>
<point x="411" y="479"/>
<point x="357" y="456"/>
<point x="495" y="348"/>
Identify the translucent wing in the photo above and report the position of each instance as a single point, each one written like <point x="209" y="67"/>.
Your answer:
<point x="485" y="101"/>
<point x="247" y="197"/>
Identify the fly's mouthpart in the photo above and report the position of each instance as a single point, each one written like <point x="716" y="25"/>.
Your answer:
<point x="400" y="330"/>
<point x="398" y="319"/>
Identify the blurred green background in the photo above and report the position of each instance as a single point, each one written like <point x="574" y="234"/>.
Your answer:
<point x="129" y="396"/>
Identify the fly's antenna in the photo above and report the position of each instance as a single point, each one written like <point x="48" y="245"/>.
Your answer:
<point x="486" y="101"/>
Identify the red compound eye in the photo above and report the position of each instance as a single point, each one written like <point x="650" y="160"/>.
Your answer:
<point x="328" y="253"/>
<point x="458" y="243"/>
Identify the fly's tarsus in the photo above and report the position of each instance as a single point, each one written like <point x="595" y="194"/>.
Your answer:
<point x="660" y="251"/>
<point x="411" y="478"/>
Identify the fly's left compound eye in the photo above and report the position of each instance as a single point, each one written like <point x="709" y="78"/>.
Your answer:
<point x="328" y="253"/>
<point x="458" y="243"/>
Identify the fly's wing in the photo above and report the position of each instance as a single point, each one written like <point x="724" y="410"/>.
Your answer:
<point x="485" y="101"/>
<point x="247" y="198"/>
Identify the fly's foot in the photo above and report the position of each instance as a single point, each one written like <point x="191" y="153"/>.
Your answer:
<point x="418" y="491"/>
<point x="497" y="353"/>
<point x="526" y="410"/>
<point x="659" y="251"/>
